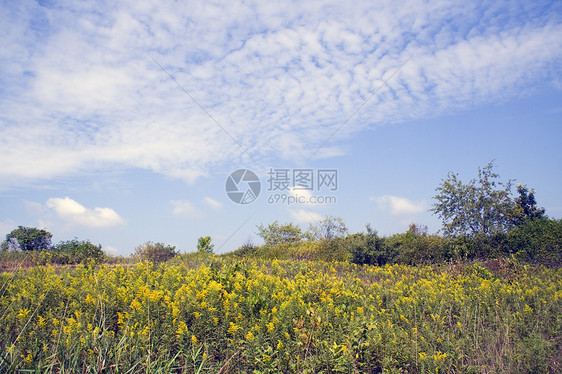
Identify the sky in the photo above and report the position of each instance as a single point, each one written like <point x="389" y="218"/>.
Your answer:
<point x="121" y="122"/>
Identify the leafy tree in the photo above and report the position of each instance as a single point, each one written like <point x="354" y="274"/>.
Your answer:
<point x="79" y="251"/>
<point x="479" y="207"/>
<point x="204" y="245"/>
<point x="275" y="234"/>
<point x="526" y="206"/>
<point x="328" y="228"/>
<point x="27" y="239"/>
<point x="156" y="252"/>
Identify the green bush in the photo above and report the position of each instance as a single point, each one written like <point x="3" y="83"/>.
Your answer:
<point x="76" y="252"/>
<point x="280" y="251"/>
<point x="307" y="250"/>
<point x="335" y="249"/>
<point x="246" y="250"/>
<point x="204" y="244"/>
<point x="478" y="247"/>
<point x="275" y="233"/>
<point x="537" y="241"/>
<point x="369" y="248"/>
<point x="413" y="248"/>
<point x="156" y="252"/>
<point x="70" y="252"/>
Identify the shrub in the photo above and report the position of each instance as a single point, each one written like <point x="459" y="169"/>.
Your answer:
<point x="75" y="252"/>
<point x="481" y="247"/>
<point x="328" y="228"/>
<point x="307" y="250"/>
<point x="280" y="251"/>
<point x="537" y="241"/>
<point x="274" y="233"/>
<point x="155" y="252"/>
<point x="369" y="248"/>
<point x="418" y="248"/>
<point x="246" y="250"/>
<point x="335" y="249"/>
<point x="204" y="245"/>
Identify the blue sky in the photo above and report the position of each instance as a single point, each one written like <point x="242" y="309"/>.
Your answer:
<point x="121" y="121"/>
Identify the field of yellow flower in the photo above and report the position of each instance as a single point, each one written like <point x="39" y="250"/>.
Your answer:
<point x="281" y="316"/>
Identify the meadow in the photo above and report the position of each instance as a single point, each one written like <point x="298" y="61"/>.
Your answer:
<point x="212" y="314"/>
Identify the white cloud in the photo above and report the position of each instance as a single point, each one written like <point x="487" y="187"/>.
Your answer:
<point x="184" y="208"/>
<point x="400" y="206"/>
<point x="80" y="90"/>
<point x="305" y="216"/>
<point x="75" y="213"/>
<point x="300" y="194"/>
<point x="212" y="202"/>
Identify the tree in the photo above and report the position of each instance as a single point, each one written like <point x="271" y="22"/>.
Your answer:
<point x="79" y="251"/>
<point x="274" y="233"/>
<point x="480" y="207"/>
<point x="526" y="206"/>
<point x="204" y="245"/>
<point x="328" y="228"/>
<point x="27" y="239"/>
<point x="156" y="252"/>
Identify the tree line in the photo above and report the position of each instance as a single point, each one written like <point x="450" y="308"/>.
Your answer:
<point x="38" y="242"/>
<point x="481" y="219"/>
